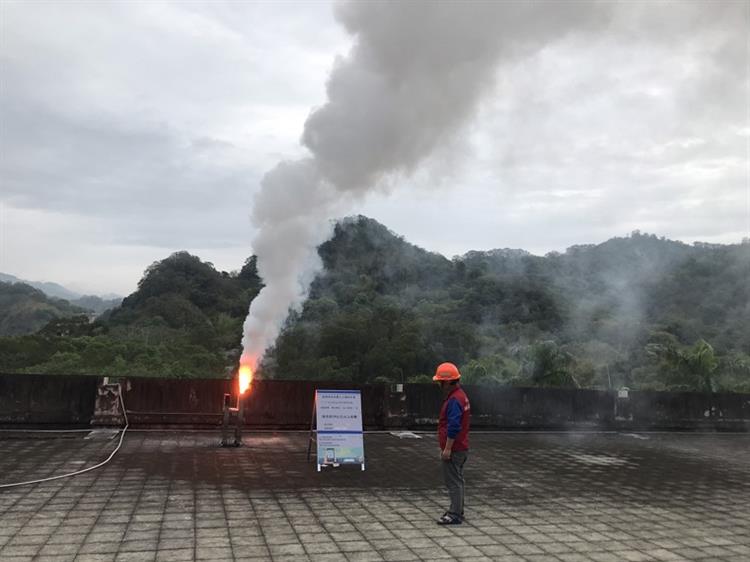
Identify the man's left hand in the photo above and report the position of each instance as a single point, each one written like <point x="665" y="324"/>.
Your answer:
<point x="445" y="454"/>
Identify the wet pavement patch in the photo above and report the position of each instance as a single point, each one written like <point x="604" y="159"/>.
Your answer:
<point x="530" y="496"/>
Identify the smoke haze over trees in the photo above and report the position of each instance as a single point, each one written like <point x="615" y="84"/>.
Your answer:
<point x="638" y="311"/>
<point x="412" y="81"/>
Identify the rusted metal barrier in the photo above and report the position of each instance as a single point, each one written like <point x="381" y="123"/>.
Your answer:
<point x="150" y="402"/>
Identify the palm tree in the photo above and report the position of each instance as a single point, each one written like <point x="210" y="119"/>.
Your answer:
<point x="688" y="369"/>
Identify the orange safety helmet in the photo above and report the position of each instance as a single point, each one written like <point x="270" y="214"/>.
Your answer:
<point x="446" y="372"/>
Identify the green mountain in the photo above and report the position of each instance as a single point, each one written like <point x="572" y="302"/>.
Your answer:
<point x="183" y="298"/>
<point x="53" y="290"/>
<point x="387" y="310"/>
<point x="638" y="311"/>
<point x="91" y="303"/>
<point x="24" y="309"/>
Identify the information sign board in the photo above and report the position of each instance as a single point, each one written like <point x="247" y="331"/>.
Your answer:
<point x="339" y="427"/>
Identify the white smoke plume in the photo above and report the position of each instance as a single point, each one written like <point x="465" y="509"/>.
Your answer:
<point x="414" y="76"/>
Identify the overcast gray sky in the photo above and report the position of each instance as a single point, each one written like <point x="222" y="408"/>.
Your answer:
<point x="133" y="130"/>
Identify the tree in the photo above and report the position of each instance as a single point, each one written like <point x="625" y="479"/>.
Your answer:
<point x="490" y="370"/>
<point x="73" y="326"/>
<point x="687" y="369"/>
<point x="546" y="364"/>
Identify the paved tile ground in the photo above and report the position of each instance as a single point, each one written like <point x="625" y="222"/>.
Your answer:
<point x="531" y="497"/>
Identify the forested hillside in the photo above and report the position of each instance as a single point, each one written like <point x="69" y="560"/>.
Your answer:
<point x="638" y="311"/>
<point x="24" y="309"/>
<point x="21" y="307"/>
<point x="185" y="320"/>
<point x="632" y="311"/>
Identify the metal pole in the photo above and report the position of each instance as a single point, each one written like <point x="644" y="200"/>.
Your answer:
<point x="225" y="421"/>
<point x="312" y="424"/>
<point x="240" y="419"/>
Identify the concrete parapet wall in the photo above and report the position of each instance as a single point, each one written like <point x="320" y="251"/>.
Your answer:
<point x="70" y="400"/>
<point x="269" y="404"/>
<point x="47" y="400"/>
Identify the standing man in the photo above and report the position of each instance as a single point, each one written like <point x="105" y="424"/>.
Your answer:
<point x="453" y="436"/>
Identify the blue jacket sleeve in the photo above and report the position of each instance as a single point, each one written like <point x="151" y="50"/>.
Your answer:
<point x="454" y="413"/>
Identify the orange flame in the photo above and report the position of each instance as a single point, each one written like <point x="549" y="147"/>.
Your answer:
<point x="245" y="376"/>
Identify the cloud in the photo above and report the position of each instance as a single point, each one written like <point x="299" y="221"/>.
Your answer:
<point x="643" y="125"/>
<point x="151" y="124"/>
<point x="159" y="118"/>
<point x="119" y="171"/>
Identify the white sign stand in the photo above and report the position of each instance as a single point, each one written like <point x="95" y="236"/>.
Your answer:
<point x="339" y="437"/>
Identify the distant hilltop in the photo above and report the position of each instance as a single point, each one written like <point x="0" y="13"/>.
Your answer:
<point x="26" y="307"/>
<point x="56" y="290"/>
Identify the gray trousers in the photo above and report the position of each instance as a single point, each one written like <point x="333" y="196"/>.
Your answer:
<point x="453" y="473"/>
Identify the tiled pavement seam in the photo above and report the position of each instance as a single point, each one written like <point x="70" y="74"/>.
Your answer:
<point x="515" y="547"/>
<point x="101" y="502"/>
<point x="505" y="521"/>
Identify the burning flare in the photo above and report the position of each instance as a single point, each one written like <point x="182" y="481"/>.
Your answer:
<point x="245" y="376"/>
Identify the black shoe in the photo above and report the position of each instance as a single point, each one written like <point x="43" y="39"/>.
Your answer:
<point x="449" y="519"/>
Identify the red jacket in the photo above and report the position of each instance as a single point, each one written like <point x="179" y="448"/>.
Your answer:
<point x="461" y="438"/>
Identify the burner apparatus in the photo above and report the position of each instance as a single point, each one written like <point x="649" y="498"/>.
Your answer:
<point x="236" y="414"/>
